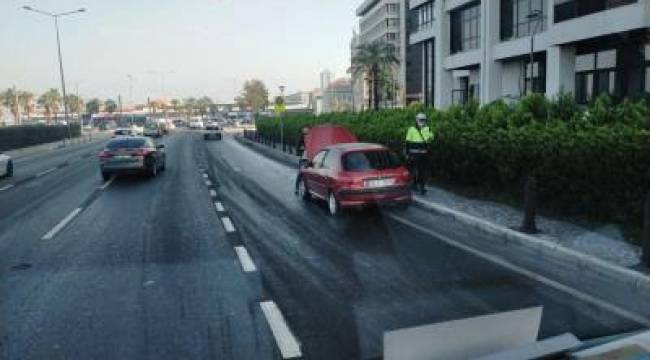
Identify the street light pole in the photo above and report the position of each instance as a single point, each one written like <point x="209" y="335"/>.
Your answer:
<point x="535" y="15"/>
<point x="282" y="119"/>
<point x="58" y="45"/>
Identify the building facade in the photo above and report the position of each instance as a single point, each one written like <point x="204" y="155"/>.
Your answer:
<point x="383" y="20"/>
<point x="462" y="49"/>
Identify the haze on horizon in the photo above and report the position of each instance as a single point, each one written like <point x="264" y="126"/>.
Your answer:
<point x="204" y="47"/>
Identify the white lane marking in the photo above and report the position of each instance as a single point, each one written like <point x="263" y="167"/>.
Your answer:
<point x="7" y="187"/>
<point x="43" y="173"/>
<point x="107" y="184"/>
<point x="236" y="169"/>
<point x="205" y="176"/>
<point x="55" y="230"/>
<point x="530" y="274"/>
<point x="245" y="259"/>
<point x="219" y="206"/>
<point x="227" y="224"/>
<point x="213" y="193"/>
<point x="289" y="346"/>
<point x="208" y="183"/>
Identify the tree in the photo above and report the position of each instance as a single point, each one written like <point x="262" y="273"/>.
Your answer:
<point x="254" y="95"/>
<point x="51" y="101"/>
<point x="203" y="105"/>
<point x="110" y="106"/>
<point x="92" y="106"/>
<point x="26" y="102"/>
<point x="9" y="98"/>
<point x="176" y="104"/>
<point x="189" y="105"/>
<point x="370" y="60"/>
<point x="75" y="103"/>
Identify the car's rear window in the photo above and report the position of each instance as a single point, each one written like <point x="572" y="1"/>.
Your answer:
<point x="370" y="160"/>
<point x="122" y="132"/>
<point x="125" y="144"/>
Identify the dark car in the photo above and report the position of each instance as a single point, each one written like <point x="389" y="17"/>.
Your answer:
<point x="135" y="154"/>
<point x="212" y="131"/>
<point x="355" y="175"/>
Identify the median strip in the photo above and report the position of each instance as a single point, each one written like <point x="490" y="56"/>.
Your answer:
<point x="289" y="346"/>
<point x="55" y="230"/>
<point x="227" y="224"/>
<point x="245" y="259"/>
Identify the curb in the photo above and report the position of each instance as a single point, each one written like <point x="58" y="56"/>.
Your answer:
<point x="287" y="159"/>
<point x="582" y="262"/>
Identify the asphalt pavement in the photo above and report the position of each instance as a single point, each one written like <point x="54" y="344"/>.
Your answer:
<point x="217" y="259"/>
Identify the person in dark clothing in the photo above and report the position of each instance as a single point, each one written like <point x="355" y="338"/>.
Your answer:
<point x="418" y="139"/>
<point x="300" y="151"/>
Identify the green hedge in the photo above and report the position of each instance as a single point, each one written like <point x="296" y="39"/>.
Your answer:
<point x="15" y="137"/>
<point x="592" y="161"/>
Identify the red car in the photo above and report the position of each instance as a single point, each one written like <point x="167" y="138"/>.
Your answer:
<point x="355" y="175"/>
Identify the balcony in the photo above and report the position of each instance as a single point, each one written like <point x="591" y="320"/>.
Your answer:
<point x="422" y="32"/>
<point x="577" y="8"/>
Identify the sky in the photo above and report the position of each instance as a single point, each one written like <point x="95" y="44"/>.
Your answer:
<point x="175" y="48"/>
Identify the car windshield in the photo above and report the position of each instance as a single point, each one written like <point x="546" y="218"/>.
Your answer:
<point x="370" y="160"/>
<point x="125" y="144"/>
<point x="324" y="179"/>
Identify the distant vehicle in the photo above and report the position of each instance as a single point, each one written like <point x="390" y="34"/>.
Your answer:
<point x="137" y="130"/>
<point x="122" y="132"/>
<point x="136" y="154"/>
<point x="196" y="124"/>
<point x="153" y="130"/>
<point x="212" y="130"/>
<point x="6" y="166"/>
<point x="355" y="175"/>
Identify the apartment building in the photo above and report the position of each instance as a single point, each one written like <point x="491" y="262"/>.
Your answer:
<point x="382" y="20"/>
<point x="462" y="49"/>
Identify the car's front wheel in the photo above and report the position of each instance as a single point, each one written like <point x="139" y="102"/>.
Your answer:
<point x="333" y="205"/>
<point x="303" y="192"/>
<point x="10" y="169"/>
<point x="152" y="167"/>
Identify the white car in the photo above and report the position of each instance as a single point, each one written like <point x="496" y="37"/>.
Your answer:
<point x="196" y="124"/>
<point x="6" y="166"/>
<point x="119" y="132"/>
<point x="137" y="130"/>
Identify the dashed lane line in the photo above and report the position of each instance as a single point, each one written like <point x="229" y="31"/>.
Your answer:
<point x="208" y="183"/>
<point x="56" y="229"/>
<point x="107" y="184"/>
<point x="638" y="318"/>
<point x="6" y="187"/>
<point x="227" y="224"/>
<point x="205" y="176"/>
<point x="245" y="259"/>
<point x="43" y="173"/>
<point x="288" y="344"/>
<point x="219" y="206"/>
<point x="213" y="193"/>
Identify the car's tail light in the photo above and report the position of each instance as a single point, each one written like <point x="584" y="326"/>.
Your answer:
<point x="105" y="155"/>
<point x="141" y="152"/>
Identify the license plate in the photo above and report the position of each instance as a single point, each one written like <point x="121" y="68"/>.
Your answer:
<point x="379" y="183"/>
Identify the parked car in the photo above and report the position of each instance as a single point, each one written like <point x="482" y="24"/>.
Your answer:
<point x="196" y="124"/>
<point x="355" y="175"/>
<point x="6" y="166"/>
<point x="136" y="154"/>
<point x="153" y="130"/>
<point x="212" y="131"/>
<point x="119" y="132"/>
<point x="137" y="130"/>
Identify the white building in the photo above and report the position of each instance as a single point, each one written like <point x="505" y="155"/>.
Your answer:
<point x="325" y="81"/>
<point x="383" y="20"/>
<point x="461" y="49"/>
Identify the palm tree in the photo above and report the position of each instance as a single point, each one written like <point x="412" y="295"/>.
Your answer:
<point x="51" y="101"/>
<point x="176" y="104"/>
<point x="110" y="106"/>
<point x="190" y="105"/>
<point x="9" y="98"/>
<point x="75" y="104"/>
<point x="92" y="106"/>
<point x="26" y="101"/>
<point x="203" y="105"/>
<point x="371" y="59"/>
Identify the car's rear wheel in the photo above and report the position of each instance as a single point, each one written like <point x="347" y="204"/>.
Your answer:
<point x="303" y="192"/>
<point x="152" y="167"/>
<point x="106" y="176"/>
<point x="333" y="205"/>
<point x="10" y="169"/>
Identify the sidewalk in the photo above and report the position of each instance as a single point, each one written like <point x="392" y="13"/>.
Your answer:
<point x="98" y="136"/>
<point x="603" y="241"/>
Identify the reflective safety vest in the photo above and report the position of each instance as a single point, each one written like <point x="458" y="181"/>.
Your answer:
<point x="424" y="135"/>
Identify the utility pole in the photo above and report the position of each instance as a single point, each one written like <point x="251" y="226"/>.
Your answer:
<point x="535" y="15"/>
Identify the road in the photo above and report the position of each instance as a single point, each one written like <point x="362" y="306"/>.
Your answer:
<point x="216" y="259"/>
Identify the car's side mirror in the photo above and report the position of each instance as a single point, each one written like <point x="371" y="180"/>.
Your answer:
<point x="161" y="146"/>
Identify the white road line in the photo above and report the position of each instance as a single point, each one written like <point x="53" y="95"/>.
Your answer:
<point x="43" y="173"/>
<point x="55" y="230"/>
<point x="107" y="184"/>
<point x="205" y="176"/>
<point x="208" y="183"/>
<point x="289" y="346"/>
<point x="213" y="193"/>
<point x="245" y="259"/>
<point x="219" y="206"/>
<point x="532" y="275"/>
<point x="227" y="224"/>
<point x="7" y="187"/>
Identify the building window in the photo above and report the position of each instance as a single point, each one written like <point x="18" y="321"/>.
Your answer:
<point x="595" y="75"/>
<point x="424" y="17"/>
<point x="516" y="21"/>
<point x="465" y="28"/>
<point x="535" y="77"/>
<point x="569" y="9"/>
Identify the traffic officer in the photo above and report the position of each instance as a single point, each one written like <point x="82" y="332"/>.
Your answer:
<point x="418" y="139"/>
<point x="301" y="151"/>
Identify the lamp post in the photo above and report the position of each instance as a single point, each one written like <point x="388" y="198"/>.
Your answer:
<point x="535" y="15"/>
<point x="56" y="17"/>
<point x="282" y="87"/>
